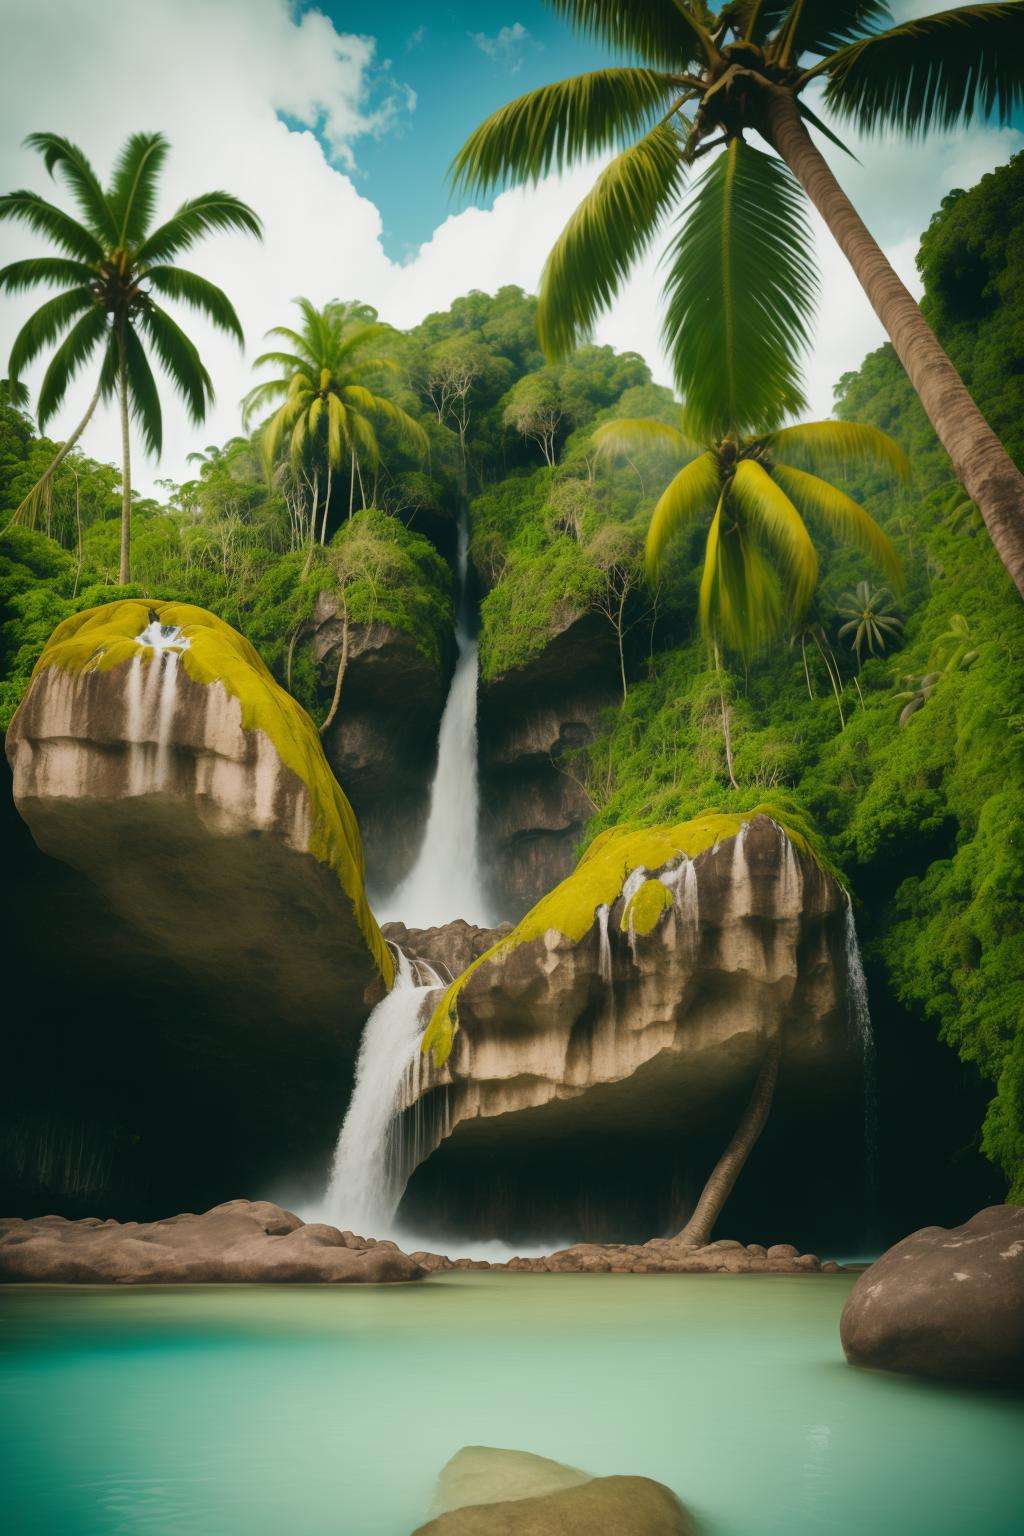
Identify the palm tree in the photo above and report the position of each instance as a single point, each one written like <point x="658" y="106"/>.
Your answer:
<point x="327" y="384"/>
<point x="760" y="563"/>
<point x="741" y="282"/>
<point x="15" y="393"/>
<point x="870" y="619"/>
<point x="112" y="262"/>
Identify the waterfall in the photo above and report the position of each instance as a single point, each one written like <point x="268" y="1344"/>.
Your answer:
<point x="446" y="881"/>
<point x="150" y="697"/>
<point x="860" y="1019"/>
<point x="371" y="1161"/>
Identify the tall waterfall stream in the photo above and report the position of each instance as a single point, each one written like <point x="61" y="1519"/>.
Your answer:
<point x="860" y="1018"/>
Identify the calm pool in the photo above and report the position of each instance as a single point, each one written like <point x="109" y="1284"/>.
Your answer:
<point x="300" y="1412"/>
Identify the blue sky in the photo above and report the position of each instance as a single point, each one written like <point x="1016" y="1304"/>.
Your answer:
<point x="463" y="60"/>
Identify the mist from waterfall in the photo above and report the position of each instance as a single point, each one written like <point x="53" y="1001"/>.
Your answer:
<point x="446" y="880"/>
<point x="372" y="1161"/>
<point x="860" y="1019"/>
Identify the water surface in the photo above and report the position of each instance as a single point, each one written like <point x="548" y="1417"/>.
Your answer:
<point x="218" y="1411"/>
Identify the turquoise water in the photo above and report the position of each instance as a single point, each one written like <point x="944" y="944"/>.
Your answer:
<point x="303" y="1411"/>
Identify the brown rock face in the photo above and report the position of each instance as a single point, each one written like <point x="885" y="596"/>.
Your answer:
<point x="449" y="949"/>
<point x="531" y="720"/>
<point x="945" y="1302"/>
<point x="589" y="1096"/>
<point x="241" y="1242"/>
<point x="383" y="742"/>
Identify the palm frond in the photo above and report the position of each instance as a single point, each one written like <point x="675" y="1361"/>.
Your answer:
<point x="558" y="124"/>
<point x="822" y="26"/>
<point x="74" y="351"/>
<point x="847" y="521"/>
<point x="143" y="393"/>
<point x="689" y="496"/>
<point x="739" y="603"/>
<point x="44" y="218"/>
<point x="206" y="215"/>
<point x="770" y="512"/>
<point x="260" y="395"/>
<point x="740" y="294"/>
<point x="627" y="435"/>
<point x="179" y="359"/>
<point x="132" y="194"/>
<point x="336" y="424"/>
<point x="49" y="320"/>
<point x="60" y="154"/>
<point x="838" y="445"/>
<point x="609" y="231"/>
<point x="935" y="72"/>
<point x="657" y="30"/>
<point x="188" y="288"/>
<point x="21" y="275"/>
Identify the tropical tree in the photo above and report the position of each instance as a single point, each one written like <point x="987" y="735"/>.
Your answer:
<point x="754" y="493"/>
<point x="870" y="619"/>
<point x="330" y="408"/>
<point x="740" y="285"/>
<point x="111" y="267"/>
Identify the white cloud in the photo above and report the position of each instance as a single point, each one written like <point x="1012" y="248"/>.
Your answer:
<point x="415" y="38"/>
<point x="507" y="46"/>
<point x="216" y="74"/>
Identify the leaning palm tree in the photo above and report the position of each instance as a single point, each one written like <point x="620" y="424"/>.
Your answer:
<point x="111" y="264"/>
<point x="739" y="270"/>
<point x="754" y="493"/>
<point x="328" y="386"/>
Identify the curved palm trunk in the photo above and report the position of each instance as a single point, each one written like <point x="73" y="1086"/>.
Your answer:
<point x="56" y="462"/>
<point x="340" y="678"/>
<point x="124" y="570"/>
<point x="982" y="464"/>
<point x="729" y="1166"/>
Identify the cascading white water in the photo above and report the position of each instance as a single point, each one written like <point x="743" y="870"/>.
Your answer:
<point x="446" y="881"/>
<point x="371" y="1164"/>
<point x="860" y="1019"/>
<point x="150" y="696"/>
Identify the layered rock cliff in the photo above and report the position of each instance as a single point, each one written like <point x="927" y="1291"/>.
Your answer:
<point x="156" y="755"/>
<point x="601" y="1051"/>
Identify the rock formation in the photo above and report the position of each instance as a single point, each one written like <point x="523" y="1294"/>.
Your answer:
<point x="383" y="743"/>
<point x="945" y="1302"/>
<point x="603" y="1051"/>
<point x="449" y="949"/>
<point x="241" y="1242"/>
<point x="531" y="722"/>
<point x="485" y="1492"/>
<point x="193" y="793"/>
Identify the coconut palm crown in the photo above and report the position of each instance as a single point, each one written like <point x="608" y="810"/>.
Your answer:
<point x="740" y="277"/>
<point x="328" y="386"/>
<point x="113" y="267"/>
<point x="756" y="493"/>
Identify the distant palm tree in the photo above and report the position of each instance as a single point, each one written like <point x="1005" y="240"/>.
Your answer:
<point x="328" y="385"/>
<point x="760" y="563"/>
<point x="112" y="262"/>
<point x="870" y="619"/>
<point x="740" y="271"/>
<point x="14" y="392"/>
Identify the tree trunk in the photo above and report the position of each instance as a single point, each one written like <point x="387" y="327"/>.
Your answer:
<point x="730" y="1165"/>
<point x="124" y="568"/>
<point x="726" y="722"/>
<point x="327" y="502"/>
<point x="55" y="463"/>
<point x="980" y="461"/>
<point x="351" y="486"/>
<point x="342" y="664"/>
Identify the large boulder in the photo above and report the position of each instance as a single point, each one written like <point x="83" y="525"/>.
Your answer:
<point x="945" y="1302"/>
<point x="382" y="743"/>
<point x="486" y="1492"/>
<point x="533" y="718"/>
<point x="240" y="1242"/>
<point x="155" y="754"/>
<point x="602" y="1050"/>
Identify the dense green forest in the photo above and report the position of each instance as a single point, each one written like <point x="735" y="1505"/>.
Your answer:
<point x="894" y="720"/>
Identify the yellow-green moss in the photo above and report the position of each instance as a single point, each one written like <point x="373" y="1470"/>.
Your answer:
<point x="597" y="881"/>
<point x="100" y="639"/>
<point x="644" y="908"/>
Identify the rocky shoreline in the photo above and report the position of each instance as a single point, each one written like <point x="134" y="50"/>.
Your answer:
<point x="254" y="1242"/>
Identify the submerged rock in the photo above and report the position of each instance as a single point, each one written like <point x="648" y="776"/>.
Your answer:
<point x="601" y="1050"/>
<point x="486" y="1492"/>
<point x="945" y="1302"/>
<point x="241" y="1242"/>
